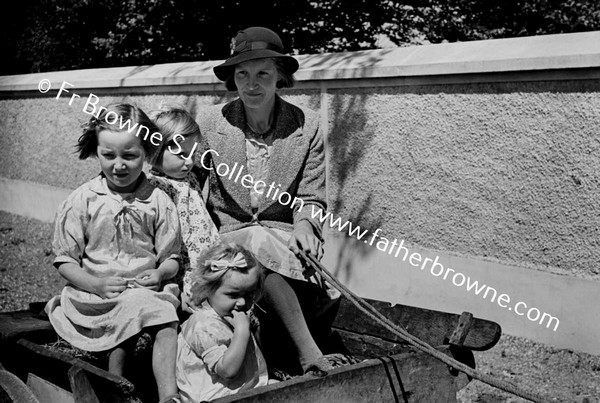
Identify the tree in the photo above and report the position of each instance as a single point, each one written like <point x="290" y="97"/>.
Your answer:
<point x="47" y="35"/>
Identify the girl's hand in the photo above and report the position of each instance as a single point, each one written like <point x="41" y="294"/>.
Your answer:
<point x="186" y="303"/>
<point x="110" y="287"/>
<point x="304" y="238"/>
<point x="150" y="279"/>
<point x="239" y="320"/>
<point x="229" y="365"/>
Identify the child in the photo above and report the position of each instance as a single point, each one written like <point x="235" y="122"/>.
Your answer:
<point x="116" y="240"/>
<point x="173" y="171"/>
<point x="216" y="352"/>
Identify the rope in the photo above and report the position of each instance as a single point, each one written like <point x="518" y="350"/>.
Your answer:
<point x="378" y="317"/>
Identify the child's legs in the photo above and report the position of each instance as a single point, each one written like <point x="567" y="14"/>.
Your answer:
<point x="279" y="297"/>
<point x="116" y="361"/>
<point x="117" y="357"/>
<point x="164" y="354"/>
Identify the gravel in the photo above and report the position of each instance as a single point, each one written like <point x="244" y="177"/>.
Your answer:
<point x="26" y="271"/>
<point x="27" y="275"/>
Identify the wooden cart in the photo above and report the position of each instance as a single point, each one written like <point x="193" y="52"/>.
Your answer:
<point x="389" y="369"/>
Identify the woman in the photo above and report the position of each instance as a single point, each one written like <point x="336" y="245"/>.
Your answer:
<point x="266" y="173"/>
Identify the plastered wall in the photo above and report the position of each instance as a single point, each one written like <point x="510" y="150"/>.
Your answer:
<point x="504" y="171"/>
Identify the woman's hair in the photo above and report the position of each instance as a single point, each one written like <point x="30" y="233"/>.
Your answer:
<point x="206" y="279"/>
<point x="286" y="80"/>
<point x="117" y="118"/>
<point x="172" y="120"/>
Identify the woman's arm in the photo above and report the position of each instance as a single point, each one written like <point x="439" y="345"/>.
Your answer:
<point x="108" y="287"/>
<point x="307" y="233"/>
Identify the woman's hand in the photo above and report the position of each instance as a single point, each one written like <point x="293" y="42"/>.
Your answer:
<point x="110" y="287"/>
<point x="304" y="238"/>
<point x="149" y="279"/>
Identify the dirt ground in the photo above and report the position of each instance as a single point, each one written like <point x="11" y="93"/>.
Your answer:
<point x="27" y="275"/>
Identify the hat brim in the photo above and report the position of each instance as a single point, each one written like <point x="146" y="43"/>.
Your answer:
<point x="225" y="70"/>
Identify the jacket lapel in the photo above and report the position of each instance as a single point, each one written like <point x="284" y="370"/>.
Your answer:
<point x="230" y="143"/>
<point x="289" y="150"/>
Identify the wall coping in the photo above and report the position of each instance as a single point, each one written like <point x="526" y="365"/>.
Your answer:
<point x="534" y="53"/>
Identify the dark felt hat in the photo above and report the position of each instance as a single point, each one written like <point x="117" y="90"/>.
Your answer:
<point x="254" y="43"/>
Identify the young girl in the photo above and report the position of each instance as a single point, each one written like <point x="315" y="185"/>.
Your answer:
<point x="216" y="352"/>
<point x="174" y="172"/>
<point x="116" y="240"/>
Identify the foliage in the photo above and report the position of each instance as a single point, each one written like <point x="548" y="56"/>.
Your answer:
<point x="46" y="35"/>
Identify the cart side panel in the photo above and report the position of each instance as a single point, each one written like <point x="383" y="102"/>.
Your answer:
<point x="433" y="327"/>
<point x="415" y="377"/>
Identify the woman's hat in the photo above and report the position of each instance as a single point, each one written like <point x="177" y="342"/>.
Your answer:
<point x="254" y="43"/>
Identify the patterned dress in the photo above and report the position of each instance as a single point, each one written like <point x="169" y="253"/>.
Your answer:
<point x="203" y="340"/>
<point x="111" y="234"/>
<point x="197" y="229"/>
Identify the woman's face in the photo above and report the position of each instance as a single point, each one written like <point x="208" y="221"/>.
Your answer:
<point x="256" y="81"/>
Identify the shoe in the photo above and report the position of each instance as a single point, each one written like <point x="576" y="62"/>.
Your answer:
<point x="322" y="365"/>
<point x="319" y="367"/>
<point x="339" y="359"/>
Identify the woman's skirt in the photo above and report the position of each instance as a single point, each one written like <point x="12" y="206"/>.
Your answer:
<point x="269" y="246"/>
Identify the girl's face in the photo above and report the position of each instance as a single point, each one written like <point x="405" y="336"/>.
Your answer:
<point x="236" y="293"/>
<point x="121" y="158"/>
<point x="178" y="163"/>
<point x="256" y="81"/>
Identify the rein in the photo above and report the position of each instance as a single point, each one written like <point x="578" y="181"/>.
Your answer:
<point x="381" y="319"/>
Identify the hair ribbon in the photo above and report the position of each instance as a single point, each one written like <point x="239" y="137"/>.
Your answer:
<point x="223" y="264"/>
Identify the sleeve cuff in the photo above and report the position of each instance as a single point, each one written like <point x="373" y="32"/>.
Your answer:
<point x="64" y="259"/>
<point x="212" y="356"/>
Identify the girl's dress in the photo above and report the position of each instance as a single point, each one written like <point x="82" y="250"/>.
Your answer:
<point x="203" y="340"/>
<point x="112" y="234"/>
<point x="198" y="231"/>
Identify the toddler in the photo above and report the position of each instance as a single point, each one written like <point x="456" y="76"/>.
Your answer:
<point x="216" y="353"/>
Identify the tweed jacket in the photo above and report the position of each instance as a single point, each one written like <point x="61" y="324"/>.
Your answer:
<point x="297" y="164"/>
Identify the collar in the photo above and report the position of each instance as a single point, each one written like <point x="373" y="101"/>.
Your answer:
<point x="251" y="133"/>
<point x="158" y="174"/>
<point x="235" y="118"/>
<point x="141" y="193"/>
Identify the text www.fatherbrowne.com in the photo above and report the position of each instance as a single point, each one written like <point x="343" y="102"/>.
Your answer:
<point x="435" y="268"/>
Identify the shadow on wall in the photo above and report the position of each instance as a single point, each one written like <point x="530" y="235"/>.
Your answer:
<point x="347" y="141"/>
<point x="504" y="171"/>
